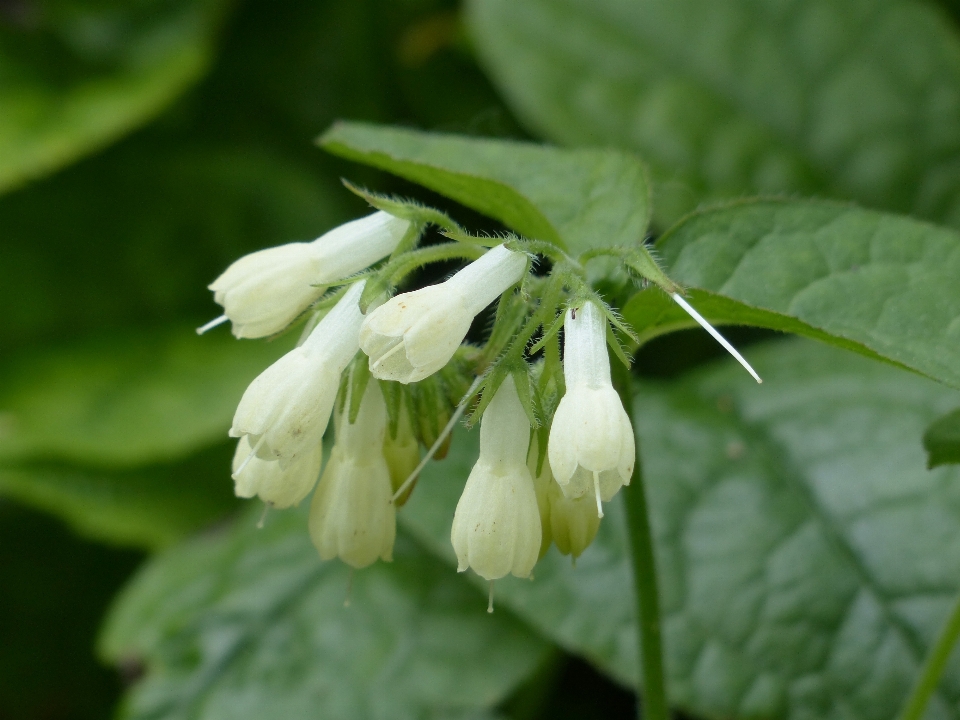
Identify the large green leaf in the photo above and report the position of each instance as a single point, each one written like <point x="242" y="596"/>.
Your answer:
<point x="879" y="284"/>
<point x="148" y="507"/>
<point x="126" y="400"/>
<point x="574" y="198"/>
<point x="807" y="556"/>
<point x="76" y="75"/>
<point x="250" y="624"/>
<point x="852" y="99"/>
<point x="942" y="440"/>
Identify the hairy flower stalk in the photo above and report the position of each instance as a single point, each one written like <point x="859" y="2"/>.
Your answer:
<point x="351" y="514"/>
<point x="285" y="411"/>
<point x="415" y="334"/>
<point x="263" y="292"/>
<point x="276" y="486"/>
<point x="591" y="446"/>
<point x="496" y="528"/>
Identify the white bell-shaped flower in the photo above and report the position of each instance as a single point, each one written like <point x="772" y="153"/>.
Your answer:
<point x="278" y="487"/>
<point x="285" y="410"/>
<point x="263" y="292"/>
<point x="591" y="446"/>
<point x="496" y="527"/>
<point x="571" y="524"/>
<point x="351" y="514"/>
<point x="415" y="334"/>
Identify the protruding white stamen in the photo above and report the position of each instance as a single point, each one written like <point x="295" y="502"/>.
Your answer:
<point x="248" y="458"/>
<point x="596" y="489"/>
<point x="716" y="336"/>
<point x="490" y="599"/>
<point x="448" y="428"/>
<point x="212" y="324"/>
<point x="263" y="516"/>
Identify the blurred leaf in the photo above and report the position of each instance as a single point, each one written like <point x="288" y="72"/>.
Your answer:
<point x="55" y="590"/>
<point x="127" y="400"/>
<point x="134" y="236"/>
<point x="251" y="624"/>
<point x="76" y="75"/>
<point x="148" y="507"/>
<point x="942" y="440"/>
<point x="574" y="198"/>
<point x="882" y="285"/>
<point x="807" y="557"/>
<point x="851" y="99"/>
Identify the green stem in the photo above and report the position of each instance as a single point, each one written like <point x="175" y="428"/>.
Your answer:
<point x="933" y="667"/>
<point x="653" y="681"/>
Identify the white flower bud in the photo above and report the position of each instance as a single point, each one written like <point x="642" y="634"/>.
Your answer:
<point x="402" y="454"/>
<point x="415" y="334"/>
<point x="573" y="522"/>
<point x="351" y="515"/>
<point x="277" y="487"/>
<point x="263" y="292"/>
<point x="496" y="528"/>
<point x="591" y="446"/>
<point x="285" y="410"/>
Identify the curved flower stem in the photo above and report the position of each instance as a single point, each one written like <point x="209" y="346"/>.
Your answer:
<point x="653" y="680"/>
<point x="933" y="667"/>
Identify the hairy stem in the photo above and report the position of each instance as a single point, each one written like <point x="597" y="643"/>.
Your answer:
<point x="933" y="667"/>
<point x="644" y="563"/>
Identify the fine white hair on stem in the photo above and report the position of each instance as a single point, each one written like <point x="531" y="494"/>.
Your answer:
<point x="716" y="336"/>
<point x="448" y="428"/>
<point x="212" y="324"/>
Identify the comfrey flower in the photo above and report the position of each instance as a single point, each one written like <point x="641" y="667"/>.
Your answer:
<point x="263" y="292"/>
<point x="286" y="409"/>
<point x="403" y="455"/>
<point x="591" y="446"/>
<point x="496" y="527"/>
<point x="351" y="514"/>
<point x="415" y="334"/>
<point x="571" y="524"/>
<point x="276" y="486"/>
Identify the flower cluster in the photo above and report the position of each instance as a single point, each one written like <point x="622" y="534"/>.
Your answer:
<point x="555" y="439"/>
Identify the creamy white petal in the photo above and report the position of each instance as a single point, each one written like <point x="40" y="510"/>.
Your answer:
<point x="496" y="527"/>
<point x="265" y="478"/>
<point x="351" y="514"/>
<point x="413" y="335"/>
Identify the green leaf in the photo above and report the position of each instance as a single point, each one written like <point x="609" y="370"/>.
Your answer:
<point x="882" y="285"/>
<point x="942" y="440"/>
<point x="126" y="400"/>
<point x="856" y="100"/>
<point x="250" y="624"/>
<point x="77" y="75"/>
<point x="807" y="557"/>
<point x="574" y="198"/>
<point x="149" y="507"/>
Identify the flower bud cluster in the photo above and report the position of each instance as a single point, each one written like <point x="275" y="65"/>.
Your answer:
<point x="521" y="497"/>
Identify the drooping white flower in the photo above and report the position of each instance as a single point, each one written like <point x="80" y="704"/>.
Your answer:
<point x="278" y="487"/>
<point x="496" y="527"/>
<point x="351" y="514"/>
<point x="285" y="410"/>
<point x="263" y="292"/>
<point x="591" y="446"/>
<point x="570" y="523"/>
<point x="415" y="334"/>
